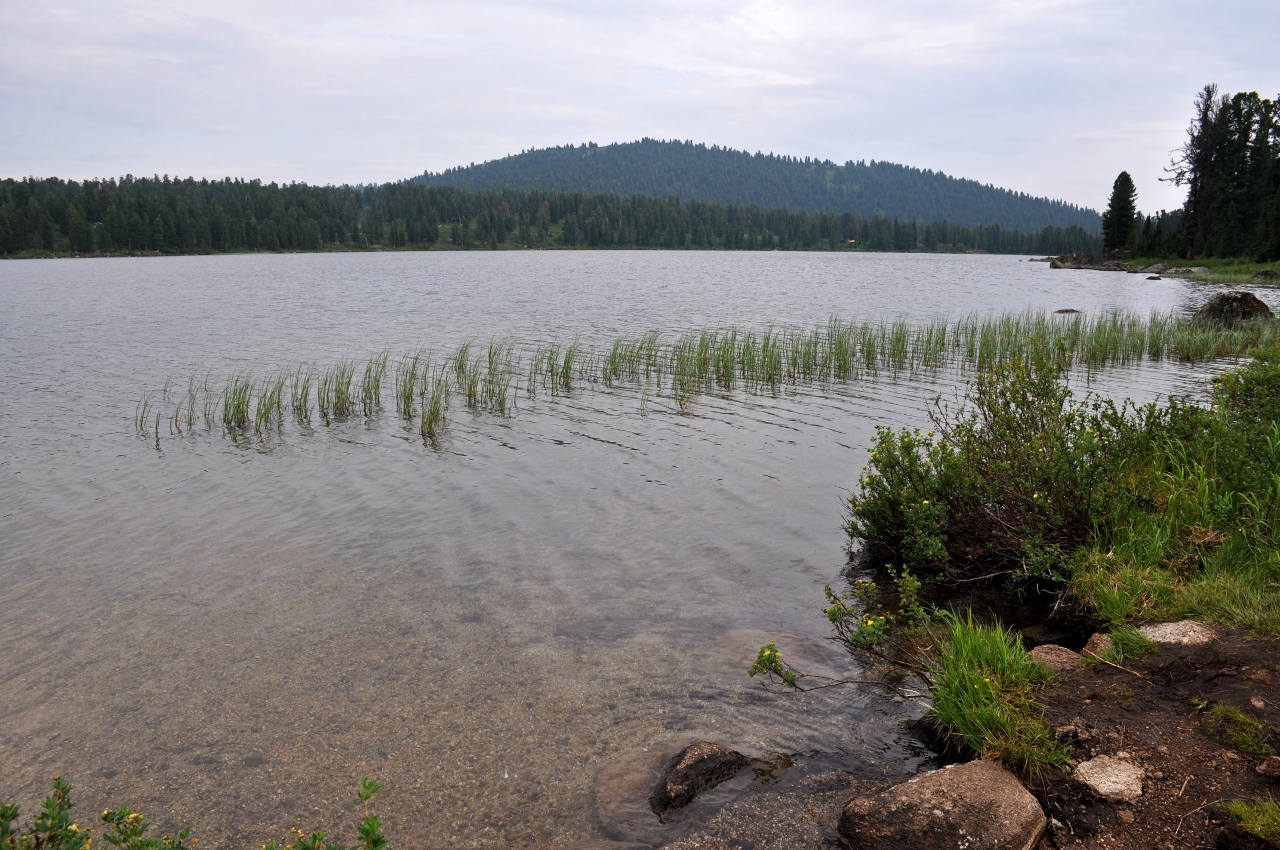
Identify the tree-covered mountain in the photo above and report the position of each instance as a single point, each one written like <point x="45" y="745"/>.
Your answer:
<point x="162" y="215"/>
<point x="665" y="169"/>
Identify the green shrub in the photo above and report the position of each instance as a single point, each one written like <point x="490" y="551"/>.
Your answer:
<point x="1007" y="482"/>
<point x="55" y="829"/>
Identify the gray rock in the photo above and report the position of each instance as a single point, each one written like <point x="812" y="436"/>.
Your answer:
<point x="1111" y="778"/>
<point x="1058" y="658"/>
<point x="978" y="804"/>
<point x="1154" y="277"/>
<point x="1233" y="306"/>
<point x="697" y="767"/>
<point x="1185" y="632"/>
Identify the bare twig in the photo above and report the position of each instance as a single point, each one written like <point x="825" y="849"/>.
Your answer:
<point x="1192" y="812"/>
<point x="1092" y="654"/>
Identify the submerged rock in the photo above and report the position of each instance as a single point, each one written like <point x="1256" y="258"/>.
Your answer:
<point x="1233" y="306"/>
<point x="697" y="767"/>
<point x="978" y="804"/>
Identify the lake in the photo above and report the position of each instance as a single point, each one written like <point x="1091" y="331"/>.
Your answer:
<point x="229" y="634"/>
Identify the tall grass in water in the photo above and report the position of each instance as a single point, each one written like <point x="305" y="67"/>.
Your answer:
<point x="333" y="392"/>
<point x="143" y="411"/>
<point x="436" y="394"/>
<point x="496" y="391"/>
<point x="409" y="370"/>
<point x="270" y="403"/>
<point x="371" y="384"/>
<point x="300" y="394"/>
<point x="237" y="399"/>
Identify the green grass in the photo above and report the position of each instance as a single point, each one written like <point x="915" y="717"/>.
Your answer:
<point x="984" y="696"/>
<point x="371" y="384"/>
<point x="1260" y="817"/>
<point x="436" y="393"/>
<point x="237" y="400"/>
<point x="300" y="394"/>
<point x="1238" y="730"/>
<point x="722" y="361"/>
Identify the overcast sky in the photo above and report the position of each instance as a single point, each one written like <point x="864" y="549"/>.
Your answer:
<point x="1050" y="97"/>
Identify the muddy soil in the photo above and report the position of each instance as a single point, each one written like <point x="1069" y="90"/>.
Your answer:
<point x="1158" y="711"/>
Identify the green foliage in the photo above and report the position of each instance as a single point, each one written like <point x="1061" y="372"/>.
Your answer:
<point x="1005" y="483"/>
<point x="1238" y="730"/>
<point x="1126" y="642"/>
<point x="1260" y="817"/>
<point x="1200" y="534"/>
<point x="1230" y="164"/>
<point x="40" y="217"/>
<point x="664" y="169"/>
<point x="984" y="697"/>
<point x="55" y="829"/>
<point x="1121" y="214"/>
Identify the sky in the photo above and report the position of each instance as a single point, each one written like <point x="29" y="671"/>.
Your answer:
<point x="1049" y="97"/>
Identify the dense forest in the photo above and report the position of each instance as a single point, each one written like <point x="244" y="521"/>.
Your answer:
<point x="667" y="169"/>
<point x="171" y="216"/>
<point x="1230" y="164"/>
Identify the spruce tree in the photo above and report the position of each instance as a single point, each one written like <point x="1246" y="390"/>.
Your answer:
<point x="1122" y="210"/>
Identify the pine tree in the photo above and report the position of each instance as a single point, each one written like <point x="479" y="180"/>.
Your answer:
<point x="1122" y="211"/>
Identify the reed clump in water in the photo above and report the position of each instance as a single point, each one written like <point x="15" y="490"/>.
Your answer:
<point x="409" y="371"/>
<point x="371" y="384"/>
<point x="700" y="362"/>
<point x="436" y="393"/>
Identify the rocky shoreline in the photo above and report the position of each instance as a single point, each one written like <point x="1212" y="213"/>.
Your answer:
<point x="1153" y="767"/>
<point x="1121" y="262"/>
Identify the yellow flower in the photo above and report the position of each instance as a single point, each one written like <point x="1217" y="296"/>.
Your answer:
<point x="925" y="502"/>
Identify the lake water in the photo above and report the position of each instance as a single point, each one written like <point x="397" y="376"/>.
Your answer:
<point x="228" y="636"/>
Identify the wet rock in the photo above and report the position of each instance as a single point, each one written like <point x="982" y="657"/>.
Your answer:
<point x="1233" y="306"/>
<point x="1184" y="632"/>
<point x="978" y="804"/>
<point x="1154" y="277"/>
<point x="697" y="767"/>
<point x="1265" y="276"/>
<point x="1067" y="310"/>
<point x="1057" y="658"/>
<point x="1270" y="766"/>
<point x="1111" y="778"/>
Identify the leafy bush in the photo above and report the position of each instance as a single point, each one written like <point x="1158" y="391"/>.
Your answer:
<point x="1005" y="483"/>
<point x="55" y="829"/>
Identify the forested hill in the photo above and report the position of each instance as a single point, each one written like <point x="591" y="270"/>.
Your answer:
<point x="663" y="169"/>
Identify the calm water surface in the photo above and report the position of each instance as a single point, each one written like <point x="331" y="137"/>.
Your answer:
<point x="228" y="637"/>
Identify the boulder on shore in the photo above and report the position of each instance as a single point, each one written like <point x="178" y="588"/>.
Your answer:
<point x="978" y="804"/>
<point x="1233" y="306"/>
<point x="697" y="767"/>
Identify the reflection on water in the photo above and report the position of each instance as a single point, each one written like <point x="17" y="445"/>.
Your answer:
<point x="230" y="639"/>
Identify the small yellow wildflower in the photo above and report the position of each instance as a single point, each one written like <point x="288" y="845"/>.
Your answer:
<point x="925" y="502"/>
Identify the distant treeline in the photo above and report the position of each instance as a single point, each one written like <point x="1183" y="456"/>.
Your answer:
<point x="1230" y="164"/>
<point x="666" y="169"/>
<point x="187" y="216"/>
